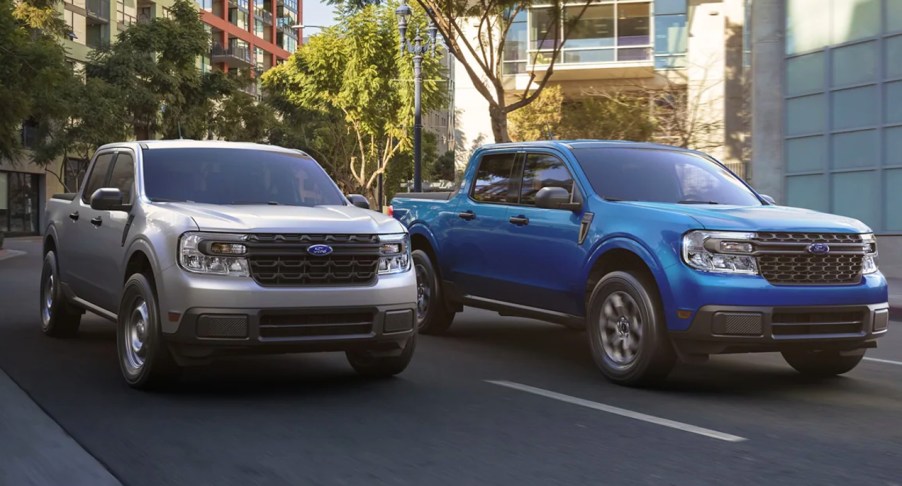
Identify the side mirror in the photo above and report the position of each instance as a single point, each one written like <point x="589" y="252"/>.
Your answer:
<point x="556" y="198"/>
<point x="108" y="199"/>
<point x="359" y="201"/>
<point x="769" y="199"/>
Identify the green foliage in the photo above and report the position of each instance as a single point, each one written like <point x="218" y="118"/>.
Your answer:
<point x="353" y="72"/>
<point x="612" y="116"/>
<point x="240" y="118"/>
<point x="35" y="80"/>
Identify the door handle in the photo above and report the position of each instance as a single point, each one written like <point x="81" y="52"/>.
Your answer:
<point x="97" y="221"/>
<point x="467" y="215"/>
<point x="73" y="216"/>
<point x="519" y="220"/>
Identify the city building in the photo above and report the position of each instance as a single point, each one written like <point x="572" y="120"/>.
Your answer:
<point x="243" y="37"/>
<point x="827" y="111"/>
<point x="694" y="50"/>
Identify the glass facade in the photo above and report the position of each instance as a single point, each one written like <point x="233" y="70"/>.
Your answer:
<point x="606" y="31"/>
<point x="843" y="111"/>
<point x="19" y="203"/>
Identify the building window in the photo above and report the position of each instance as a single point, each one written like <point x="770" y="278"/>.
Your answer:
<point x="615" y="31"/>
<point x="842" y="115"/>
<point x="29" y="134"/>
<point x="19" y="202"/>
<point x="671" y="39"/>
<point x="515" y="45"/>
<point x="205" y="5"/>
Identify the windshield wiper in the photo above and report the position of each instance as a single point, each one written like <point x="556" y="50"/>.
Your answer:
<point x="692" y="201"/>
<point x="251" y="203"/>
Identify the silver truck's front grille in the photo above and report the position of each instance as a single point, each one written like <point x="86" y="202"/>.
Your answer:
<point x="784" y="258"/>
<point x="283" y="260"/>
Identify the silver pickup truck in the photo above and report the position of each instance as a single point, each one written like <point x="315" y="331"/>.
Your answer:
<point x="200" y="248"/>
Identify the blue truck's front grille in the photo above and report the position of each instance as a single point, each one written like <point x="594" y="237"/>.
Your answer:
<point x="783" y="258"/>
<point x="283" y="260"/>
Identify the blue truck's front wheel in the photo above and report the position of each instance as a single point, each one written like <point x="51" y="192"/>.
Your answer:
<point x="433" y="316"/>
<point x="626" y="330"/>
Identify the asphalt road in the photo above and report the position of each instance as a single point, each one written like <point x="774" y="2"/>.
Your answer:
<point x="308" y="419"/>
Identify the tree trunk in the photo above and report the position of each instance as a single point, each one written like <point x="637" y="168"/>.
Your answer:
<point x="499" y="123"/>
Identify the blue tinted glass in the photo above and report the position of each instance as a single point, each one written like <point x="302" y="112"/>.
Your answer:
<point x="236" y="176"/>
<point x="808" y="191"/>
<point x="855" y="149"/>
<point x="853" y="108"/>
<point x="892" y="139"/>
<point x="893" y="201"/>
<point x="893" y="102"/>
<point x="670" y="7"/>
<point x="856" y="64"/>
<point x="807" y="154"/>
<point x="805" y="115"/>
<point x="670" y="34"/>
<point x="805" y="74"/>
<point x="667" y="176"/>
<point x="855" y="195"/>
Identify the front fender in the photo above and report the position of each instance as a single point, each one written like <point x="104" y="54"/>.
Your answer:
<point x="658" y="269"/>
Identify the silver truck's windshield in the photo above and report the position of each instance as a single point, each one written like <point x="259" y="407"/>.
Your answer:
<point x="668" y="176"/>
<point x="236" y="176"/>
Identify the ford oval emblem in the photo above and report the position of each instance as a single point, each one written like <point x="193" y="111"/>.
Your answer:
<point x="319" y="250"/>
<point x="819" y="248"/>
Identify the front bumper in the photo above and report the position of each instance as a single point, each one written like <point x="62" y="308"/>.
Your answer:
<point x="201" y="314"/>
<point x="717" y="329"/>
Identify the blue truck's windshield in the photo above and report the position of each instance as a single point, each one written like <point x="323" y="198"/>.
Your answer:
<point x="660" y="175"/>
<point x="236" y="176"/>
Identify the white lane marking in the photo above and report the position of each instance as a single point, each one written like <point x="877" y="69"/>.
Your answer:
<point x="886" y="361"/>
<point x="620" y="411"/>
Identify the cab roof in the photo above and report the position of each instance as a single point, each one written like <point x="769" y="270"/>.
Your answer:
<point x="572" y="144"/>
<point x="165" y="144"/>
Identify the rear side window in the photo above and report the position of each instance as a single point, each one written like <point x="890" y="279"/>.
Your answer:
<point x="123" y="175"/>
<point x="493" y="179"/>
<point x="97" y="176"/>
<point x="542" y="170"/>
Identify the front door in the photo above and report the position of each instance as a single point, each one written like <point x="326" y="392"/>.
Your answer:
<point x="546" y="241"/>
<point x="478" y="256"/>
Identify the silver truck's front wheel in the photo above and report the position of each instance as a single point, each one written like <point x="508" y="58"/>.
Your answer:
<point x="144" y="357"/>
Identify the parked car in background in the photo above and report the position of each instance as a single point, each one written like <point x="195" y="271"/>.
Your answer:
<point x="659" y="253"/>
<point x="197" y="249"/>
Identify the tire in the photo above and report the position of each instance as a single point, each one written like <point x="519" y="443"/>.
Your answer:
<point x="144" y="357"/>
<point x="58" y="317"/>
<point x="371" y="366"/>
<point x="626" y="331"/>
<point x="823" y="363"/>
<point x="433" y="316"/>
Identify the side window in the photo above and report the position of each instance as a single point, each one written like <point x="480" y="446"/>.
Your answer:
<point x="493" y="179"/>
<point x="123" y="175"/>
<point x="543" y="170"/>
<point x="97" y="177"/>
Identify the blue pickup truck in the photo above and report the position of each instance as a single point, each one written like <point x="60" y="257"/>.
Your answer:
<point x="661" y="254"/>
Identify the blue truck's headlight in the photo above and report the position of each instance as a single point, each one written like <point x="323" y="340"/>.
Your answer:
<point x="869" y="262"/>
<point x="394" y="253"/>
<point x="720" y="252"/>
<point x="213" y="254"/>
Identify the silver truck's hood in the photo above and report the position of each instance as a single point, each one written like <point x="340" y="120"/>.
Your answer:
<point x="287" y="219"/>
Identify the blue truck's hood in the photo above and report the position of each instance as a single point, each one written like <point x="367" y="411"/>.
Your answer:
<point x="762" y="218"/>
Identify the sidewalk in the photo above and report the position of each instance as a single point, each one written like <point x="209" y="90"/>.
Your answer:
<point x="34" y="450"/>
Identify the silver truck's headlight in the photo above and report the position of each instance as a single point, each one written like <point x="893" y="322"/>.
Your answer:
<point x="213" y="254"/>
<point x="720" y="252"/>
<point x="394" y="253"/>
<point x="869" y="262"/>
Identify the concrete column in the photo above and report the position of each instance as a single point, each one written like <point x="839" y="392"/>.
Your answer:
<point x="768" y="31"/>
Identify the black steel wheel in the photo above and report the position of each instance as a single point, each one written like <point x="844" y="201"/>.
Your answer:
<point x="433" y="315"/>
<point x="144" y="357"/>
<point x="58" y="317"/>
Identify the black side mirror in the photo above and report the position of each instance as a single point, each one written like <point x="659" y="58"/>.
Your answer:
<point x="108" y="199"/>
<point x="556" y="198"/>
<point x="769" y="199"/>
<point x="359" y="201"/>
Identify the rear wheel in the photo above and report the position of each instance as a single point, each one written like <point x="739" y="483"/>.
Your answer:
<point x="626" y="330"/>
<point x="433" y="316"/>
<point x="58" y="317"/>
<point x="144" y="357"/>
<point x="371" y="365"/>
<point x="823" y="363"/>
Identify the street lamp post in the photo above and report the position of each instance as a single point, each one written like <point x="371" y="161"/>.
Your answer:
<point x="419" y="47"/>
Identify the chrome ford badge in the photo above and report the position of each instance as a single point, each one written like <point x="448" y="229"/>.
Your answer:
<point x="819" y="248"/>
<point x="319" y="250"/>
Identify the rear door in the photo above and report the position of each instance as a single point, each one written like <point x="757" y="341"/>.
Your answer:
<point x="477" y="255"/>
<point x="549" y="255"/>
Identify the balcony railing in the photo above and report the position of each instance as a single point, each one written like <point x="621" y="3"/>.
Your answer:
<point x="242" y="4"/>
<point x="263" y="15"/>
<point x="234" y="56"/>
<point x="98" y="9"/>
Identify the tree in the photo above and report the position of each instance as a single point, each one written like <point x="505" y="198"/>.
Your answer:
<point x="34" y="76"/>
<point x="481" y="55"/>
<point x="241" y="118"/>
<point x="154" y="66"/>
<point x="614" y="115"/>
<point x="351" y="70"/>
